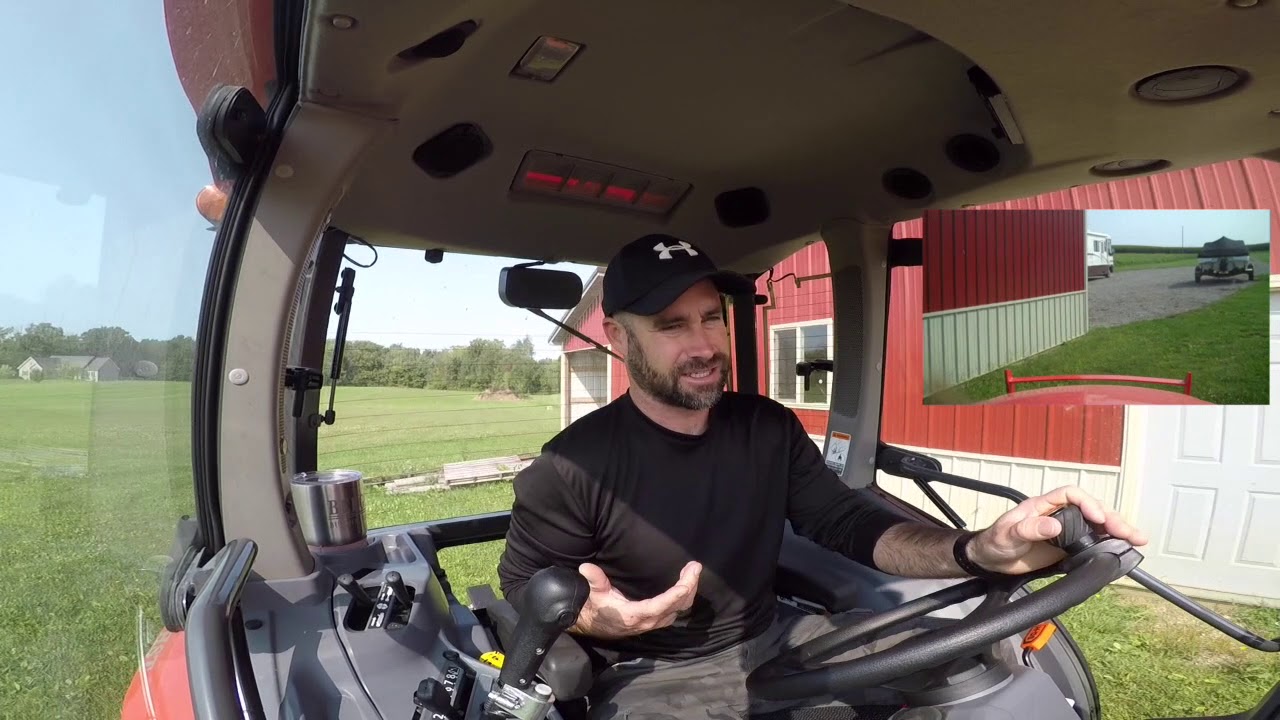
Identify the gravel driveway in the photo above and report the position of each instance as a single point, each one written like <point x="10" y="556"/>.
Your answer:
<point x="1148" y="294"/>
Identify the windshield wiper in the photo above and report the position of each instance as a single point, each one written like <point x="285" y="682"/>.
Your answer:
<point x="543" y="314"/>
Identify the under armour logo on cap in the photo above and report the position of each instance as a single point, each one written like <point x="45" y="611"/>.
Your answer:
<point x="664" y="251"/>
<point x="648" y="274"/>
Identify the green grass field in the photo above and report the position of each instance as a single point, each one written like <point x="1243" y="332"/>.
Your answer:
<point x="398" y="432"/>
<point x="1152" y="261"/>
<point x="1225" y="346"/>
<point x="93" y="478"/>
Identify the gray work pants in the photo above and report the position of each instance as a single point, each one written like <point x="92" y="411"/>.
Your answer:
<point x="714" y="686"/>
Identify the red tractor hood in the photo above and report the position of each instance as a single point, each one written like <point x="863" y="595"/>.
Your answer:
<point x="1096" y="395"/>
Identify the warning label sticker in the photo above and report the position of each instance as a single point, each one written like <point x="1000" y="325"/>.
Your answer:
<point x="838" y="452"/>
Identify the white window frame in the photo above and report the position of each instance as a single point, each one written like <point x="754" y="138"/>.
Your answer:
<point x="773" y="376"/>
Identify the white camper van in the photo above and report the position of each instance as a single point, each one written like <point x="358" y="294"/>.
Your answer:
<point x="1099" y="260"/>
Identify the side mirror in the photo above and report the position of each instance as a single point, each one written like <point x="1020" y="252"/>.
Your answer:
<point x="535" y="289"/>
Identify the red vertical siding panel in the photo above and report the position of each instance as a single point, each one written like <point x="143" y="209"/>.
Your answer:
<point x="969" y="428"/>
<point x="999" y="246"/>
<point x="1060" y="226"/>
<point x="997" y="436"/>
<point x="814" y="421"/>
<point x="943" y="255"/>
<point x="987" y="256"/>
<point x="966" y="279"/>
<point x="1064" y="433"/>
<point x="1029" y="427"/>
<point x="1018" y="278"/>
<point x="1022" y="267"/>
<point x="1074" y="229"/>
<point x="592" y="326"/>
<point x="940" y="421"/>
<point x="1103" y="435"/>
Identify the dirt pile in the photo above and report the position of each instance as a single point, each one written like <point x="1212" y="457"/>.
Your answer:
<point x="499" y="396"/>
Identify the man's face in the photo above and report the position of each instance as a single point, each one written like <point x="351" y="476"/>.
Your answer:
<point x="681" y="355"/>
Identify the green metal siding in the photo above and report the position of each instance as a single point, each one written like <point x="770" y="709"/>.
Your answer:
<point x="963" y="344"/>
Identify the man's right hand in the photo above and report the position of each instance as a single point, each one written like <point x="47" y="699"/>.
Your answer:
<point x="609" y="614"/>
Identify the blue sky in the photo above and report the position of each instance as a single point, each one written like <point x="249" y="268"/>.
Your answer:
<point x="1174" y="227"/>
<point x="98" y="224"/>
<point x="404" y="299"/>
<point x="97" y="199"/>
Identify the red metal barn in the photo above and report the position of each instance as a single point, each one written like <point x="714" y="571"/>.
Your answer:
<point x="999" y="286"/>
<point x="1143" y="461"/>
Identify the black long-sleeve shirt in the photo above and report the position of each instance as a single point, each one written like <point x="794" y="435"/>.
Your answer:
<point x="618" y="490"/>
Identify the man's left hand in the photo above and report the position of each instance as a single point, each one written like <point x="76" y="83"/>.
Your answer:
<point x="1014" y="544"/>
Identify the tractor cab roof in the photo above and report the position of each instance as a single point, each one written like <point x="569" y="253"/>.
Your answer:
<point x="562" y="131"/>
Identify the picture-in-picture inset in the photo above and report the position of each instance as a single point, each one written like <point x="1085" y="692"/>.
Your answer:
<point x="1096" y="307"/>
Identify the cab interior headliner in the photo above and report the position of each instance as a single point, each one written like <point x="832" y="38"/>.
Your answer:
<point x="810" y="100"/>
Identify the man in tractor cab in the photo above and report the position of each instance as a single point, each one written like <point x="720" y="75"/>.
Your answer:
<point x="671" y="502"/>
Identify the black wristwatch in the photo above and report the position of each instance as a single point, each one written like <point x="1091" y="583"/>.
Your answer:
<point x="961" y="552"/>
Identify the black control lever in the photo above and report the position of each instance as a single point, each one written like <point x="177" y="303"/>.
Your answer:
<point x="808" y="367"/>
<point x="552" y="600"/>
<point x="359" y="596"/>
<point x="398" y="590"/>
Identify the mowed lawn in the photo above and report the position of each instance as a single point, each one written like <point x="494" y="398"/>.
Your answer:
<point x="1152" y="261"/>
<point x="1225" y="346"/>
<point x="399" y="432"/>
<point x="93" y="478"/>
<point x="92" y="481"/>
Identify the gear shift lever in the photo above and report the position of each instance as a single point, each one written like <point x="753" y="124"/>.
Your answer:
<point x="552" y="600"/>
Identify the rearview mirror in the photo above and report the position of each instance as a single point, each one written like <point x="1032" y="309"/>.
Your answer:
<point x="537" y="289"/>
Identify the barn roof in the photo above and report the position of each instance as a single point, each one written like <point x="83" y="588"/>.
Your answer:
<point x="97" y="363"/>
<point x="575" y="315"/>
<point x="75" y="361"/>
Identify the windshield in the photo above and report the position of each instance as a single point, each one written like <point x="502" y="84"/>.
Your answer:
<point x="439" y="411"/>
<point x="104" y="265"/>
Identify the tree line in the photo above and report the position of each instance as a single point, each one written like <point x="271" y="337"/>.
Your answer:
<point x="480" y="365"/>
<point x="173" y="358"/>
<point x="1177" y="249"/>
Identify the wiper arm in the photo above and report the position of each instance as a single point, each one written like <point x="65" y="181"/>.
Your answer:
<point x="542" y="314"/>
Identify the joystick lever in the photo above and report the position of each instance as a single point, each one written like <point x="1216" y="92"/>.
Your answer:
<point x="552" y="600"/>
<point x="1077" y="532"/>
<point x="359" y="596"/>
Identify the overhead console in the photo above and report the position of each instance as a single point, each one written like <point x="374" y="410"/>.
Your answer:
<point x="804" y="112"/>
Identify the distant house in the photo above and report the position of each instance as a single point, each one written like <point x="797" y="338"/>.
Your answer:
<point x="93" y="368"/>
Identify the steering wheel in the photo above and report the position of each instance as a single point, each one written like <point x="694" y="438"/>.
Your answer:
<point x="1093" y="560"/>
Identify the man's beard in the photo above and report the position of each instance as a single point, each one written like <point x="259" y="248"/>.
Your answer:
<point x="666" y="387"/>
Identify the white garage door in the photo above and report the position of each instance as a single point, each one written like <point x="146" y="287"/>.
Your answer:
<point x="1210" y="498"/>
<point x="588" y="386"/>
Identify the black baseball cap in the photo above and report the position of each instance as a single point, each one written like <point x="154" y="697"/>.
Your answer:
<point x="649" y="274"/>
